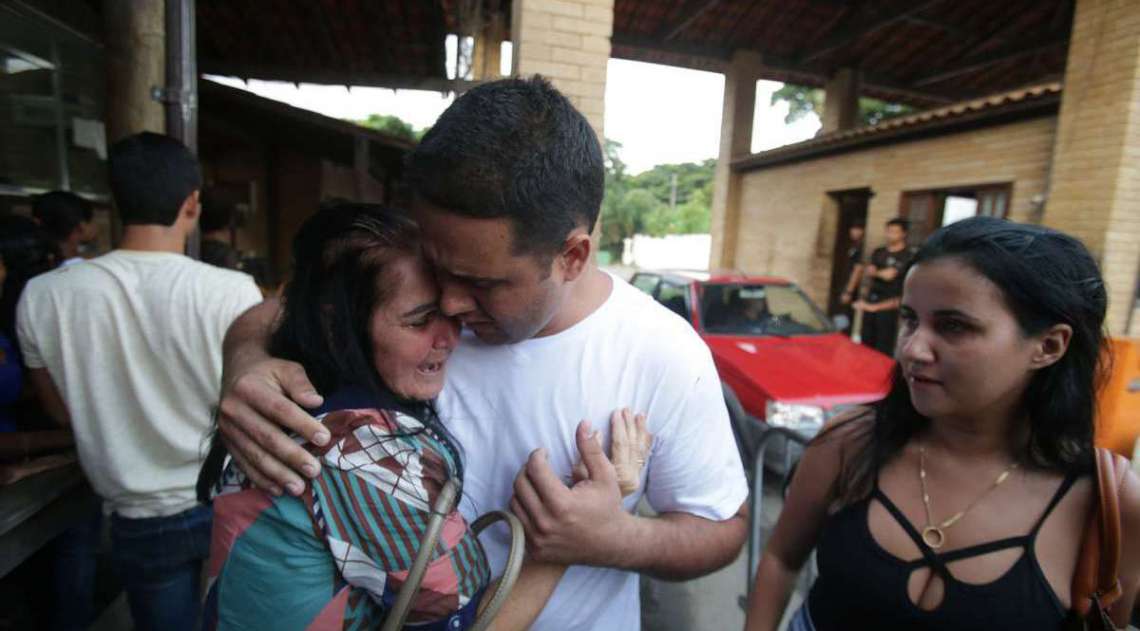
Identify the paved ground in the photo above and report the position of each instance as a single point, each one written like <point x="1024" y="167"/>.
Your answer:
<point x="711" y="603"/>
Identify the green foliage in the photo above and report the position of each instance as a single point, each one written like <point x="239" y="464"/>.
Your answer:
<point x="803" y="101"/>
<point x="645" y="203"/>
<point x="393" y="125"/>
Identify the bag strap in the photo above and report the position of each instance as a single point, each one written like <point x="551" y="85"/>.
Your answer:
<point x="1096" y="579"/>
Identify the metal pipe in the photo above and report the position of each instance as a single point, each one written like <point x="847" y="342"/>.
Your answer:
<point x="181" y="95"/>
<point x="60" y="123"/>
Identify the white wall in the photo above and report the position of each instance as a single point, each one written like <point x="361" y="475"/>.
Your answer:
<point x="674" y="251"/>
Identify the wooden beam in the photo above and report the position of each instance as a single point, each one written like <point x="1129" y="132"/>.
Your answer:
<point x="1008" y="53"/>
<point x="716" y="57"/>
<point x="690" y="12"/>
<point x="326" y="76"/>
<point x="846" y="36"/>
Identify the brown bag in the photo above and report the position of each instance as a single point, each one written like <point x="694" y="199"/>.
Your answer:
<point x="1096" y="583"/>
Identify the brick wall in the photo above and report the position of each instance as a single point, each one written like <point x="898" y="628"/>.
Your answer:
<point x="1096" y="167"/>
<point x="787" y="220"/>
<point x="568" y="42"/>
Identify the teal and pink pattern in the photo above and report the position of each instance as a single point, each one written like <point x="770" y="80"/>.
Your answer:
<point x="335" y="557"/>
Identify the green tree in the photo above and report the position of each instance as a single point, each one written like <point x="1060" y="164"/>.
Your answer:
<point x="393" y="125"/>
<point x="803" y="100"/>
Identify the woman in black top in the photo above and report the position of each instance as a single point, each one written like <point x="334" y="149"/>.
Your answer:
<point x="959" y="501"/>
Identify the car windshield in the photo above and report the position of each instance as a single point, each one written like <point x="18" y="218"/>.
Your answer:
<point x="740" y="309"/>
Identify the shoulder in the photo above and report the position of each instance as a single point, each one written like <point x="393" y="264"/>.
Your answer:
<point x="651" y="331"/>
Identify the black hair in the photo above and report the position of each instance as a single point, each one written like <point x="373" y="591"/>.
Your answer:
<point x="900" y="222"/>
<point x="514" y="148"/>
<point x="27" y="250"/>
<point x="342" y="273"/>
<point x="151" y="176"/>
<point x="1046" y="278"/>
<point x="217" y="212"/>
<point x="61" y="212"/>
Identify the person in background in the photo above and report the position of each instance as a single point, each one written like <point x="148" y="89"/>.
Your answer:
<point x="69" y="219"/>
<point x="853" y="268"/>
<point x="216" y="227"/>
<point x="126" y="350"/>
<point x="886" y="268"/>
<point x="960" y="500"/>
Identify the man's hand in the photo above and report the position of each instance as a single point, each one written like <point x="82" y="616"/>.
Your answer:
<point x="257" y="408"/>
<point x="584" y="524"/>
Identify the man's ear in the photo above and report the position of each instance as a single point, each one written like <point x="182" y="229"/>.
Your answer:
<point x="575" y="256"/>
<point x="190" y="208"/>
<point x="1051" y="346"/>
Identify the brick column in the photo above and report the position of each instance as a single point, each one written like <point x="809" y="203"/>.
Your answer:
<point x="1095" y="188"/>
<point x="841" y="101"/>
<point x="568" y="42"/>
<point x="735" y="140"/>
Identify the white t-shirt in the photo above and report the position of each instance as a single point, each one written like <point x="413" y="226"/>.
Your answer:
<point x="133" y="342"/>
<point x="502" y="402"/>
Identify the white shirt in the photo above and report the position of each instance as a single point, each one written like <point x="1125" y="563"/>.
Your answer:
<point x="502" y="402"/>
<point x="133" y="342"/>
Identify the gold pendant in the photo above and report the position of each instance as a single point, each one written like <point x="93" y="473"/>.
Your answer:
<point x="933" y="537"/>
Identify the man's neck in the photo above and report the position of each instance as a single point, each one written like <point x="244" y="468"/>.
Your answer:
<point x="588" y="294"/>
<point x="896" y="247"/>
<point x="153" y="238"/>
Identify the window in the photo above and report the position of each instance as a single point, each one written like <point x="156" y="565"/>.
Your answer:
<point x="51" y="108"/>
<point x="781" y="310"/>
<point x="645" y="282"/>
<point x="674" y="298"/>
<point x="928" y="211"/>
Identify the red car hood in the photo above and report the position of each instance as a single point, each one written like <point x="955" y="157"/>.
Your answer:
<point x="824" y="370"/>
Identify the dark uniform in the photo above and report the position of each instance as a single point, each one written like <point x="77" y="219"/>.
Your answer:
<point x="881" y="328"/>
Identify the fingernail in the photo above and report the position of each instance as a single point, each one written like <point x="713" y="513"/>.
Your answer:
<point x="321" y="438"/>
<point x="310" y="470"/>
<point x="542" y="454"/>
<point x="295" y="488"/>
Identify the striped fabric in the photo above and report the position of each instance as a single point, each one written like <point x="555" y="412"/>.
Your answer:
<point x="336" y="557"/>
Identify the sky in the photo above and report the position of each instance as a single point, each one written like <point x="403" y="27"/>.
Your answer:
<point x="660" y="114"/>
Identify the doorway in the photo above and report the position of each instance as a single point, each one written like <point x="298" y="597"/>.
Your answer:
<point x="852" y="208"/>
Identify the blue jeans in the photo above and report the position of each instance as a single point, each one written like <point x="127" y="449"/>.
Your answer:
<point x="159" y="560"/>
<point x="74" y="575"/>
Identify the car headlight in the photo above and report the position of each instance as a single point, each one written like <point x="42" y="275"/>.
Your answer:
<point x="806" y="419"/>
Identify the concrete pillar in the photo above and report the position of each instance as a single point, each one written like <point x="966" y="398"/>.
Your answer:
<point x="135" y="38"/>
<point x="1095" y="181"/>
<point x="841" y="101"/>
<point x="486" y="64"/>
<point x="568" y="42"/>
<point x="735" y="140"/>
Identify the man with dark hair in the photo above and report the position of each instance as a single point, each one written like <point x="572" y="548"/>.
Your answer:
<point x="68" y="218"/>
<point x="886" y="269"/>
<point x="215" y="225"/>
<point x="507" y="187"/>
<point x="126" y="349"/>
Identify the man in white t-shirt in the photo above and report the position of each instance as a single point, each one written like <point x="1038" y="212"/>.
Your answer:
<point x="126" y="349"/>
<point x="507" y="188"/>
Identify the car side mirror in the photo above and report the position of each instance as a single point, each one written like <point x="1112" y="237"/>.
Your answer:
<point x="840" y="321"/>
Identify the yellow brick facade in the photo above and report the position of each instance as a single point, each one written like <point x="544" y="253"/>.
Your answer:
<point x="787" y="221"/>
<point x="568" y="42"/>
<point x="1096" y="168"/>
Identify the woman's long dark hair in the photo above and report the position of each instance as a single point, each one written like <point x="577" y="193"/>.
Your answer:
<point x="342" y="273"/>
<point x="1046" y="278"/>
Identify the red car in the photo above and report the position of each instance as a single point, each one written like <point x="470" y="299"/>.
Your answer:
<point x="781" y="360"/>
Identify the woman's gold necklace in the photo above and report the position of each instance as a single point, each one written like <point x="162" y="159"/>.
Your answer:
<point x="934" y="535"/>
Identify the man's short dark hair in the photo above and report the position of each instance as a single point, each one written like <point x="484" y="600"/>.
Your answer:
<point x="59" y="213"/>
<point x="518" y="149"/>
<point x="900" y="222"/>
<point x="217" y="212"/>
<point x="151" y="175"/>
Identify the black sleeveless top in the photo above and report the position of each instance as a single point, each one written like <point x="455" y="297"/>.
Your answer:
<point x="862" y="586"/>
